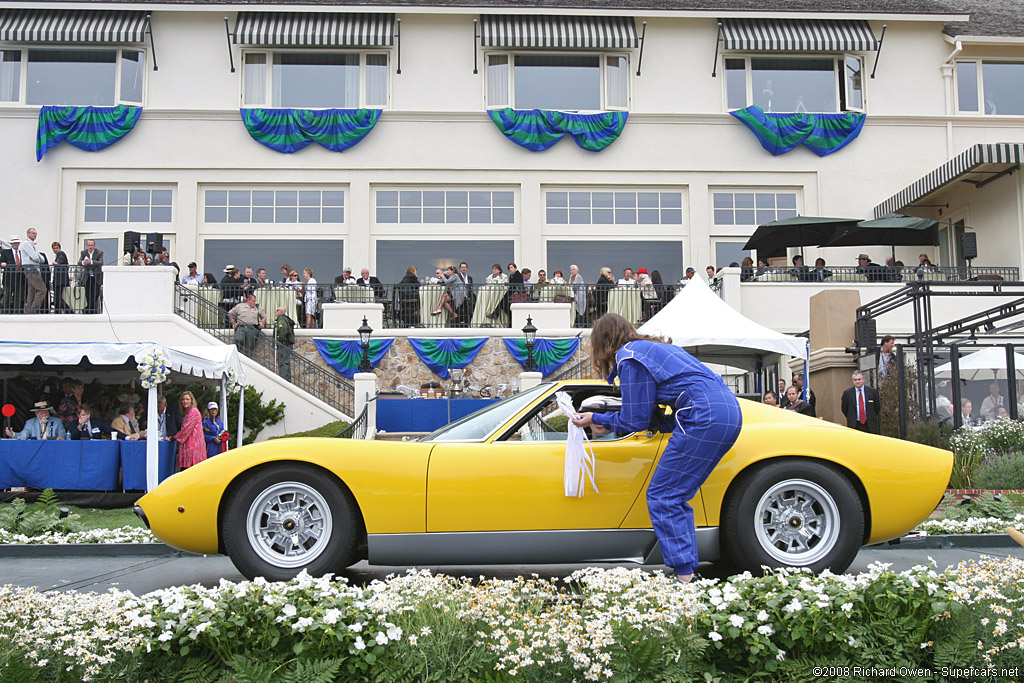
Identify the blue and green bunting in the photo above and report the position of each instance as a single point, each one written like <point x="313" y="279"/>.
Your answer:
<point x="289" y="130"/>
<point x="549" y="354"/>
<point x="823" y="134"/>
<point x="344" y="355"/>
<point x="88" y="128"/>
<point x="539" y="129"/>
<point x="440" y="355"/>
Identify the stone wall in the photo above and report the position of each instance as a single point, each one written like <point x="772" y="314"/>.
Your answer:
<point x="493" y="366"/>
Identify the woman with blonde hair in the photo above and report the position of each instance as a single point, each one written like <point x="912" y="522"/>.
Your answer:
<point x="192" y="444"/>
<point x="705" y="423"/>
<point x="311" y="298"/>
<point x="605" y="283"/>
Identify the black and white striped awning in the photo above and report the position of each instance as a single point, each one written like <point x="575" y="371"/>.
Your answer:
<point x="798" y="35"/>
<point x="956" y="168"/>
<point x="502" y="30"/>
<point x="72" y="26"/>
<point x="319" y="29"/>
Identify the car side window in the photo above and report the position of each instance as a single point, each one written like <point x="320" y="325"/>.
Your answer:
<point x="547" y="423"/>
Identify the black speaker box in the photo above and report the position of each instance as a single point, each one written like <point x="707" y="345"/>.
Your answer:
<point x="154" y="242"/>
<point x="866" y="331"/>
<point x="969" y="245"/>
<point x="132" y="241"/>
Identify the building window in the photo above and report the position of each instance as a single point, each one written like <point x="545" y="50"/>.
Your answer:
<point x="72" y="76"/>
<point x="826" y="84"/>
<point x="445" y="206"/>
<point x="275" y="206"/>
<point x="730" y="251"/>
<point x="127" y="206"/>
<point x="324" y="256"/>
<point x="994" y="88"/>
<point x="752" y="208"/>
<point x="315" y="80"/>
<point x="394" y="256"/>
<point x="664" y="256"/>
<point x="614" y="208"/>
<point x="561" y="81"/>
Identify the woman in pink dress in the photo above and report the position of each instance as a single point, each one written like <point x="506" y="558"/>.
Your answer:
<point x="192" y="449"/>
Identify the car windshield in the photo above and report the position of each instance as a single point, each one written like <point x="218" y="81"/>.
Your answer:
<point x="482" y="423"/>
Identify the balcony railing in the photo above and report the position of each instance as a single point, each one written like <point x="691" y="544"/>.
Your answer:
<point x="50" y="289"/>
<point x="192" y="305"/>
<point x="878" y="273"/>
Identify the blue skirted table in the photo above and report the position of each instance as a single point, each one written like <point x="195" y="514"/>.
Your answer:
<point x="62" y="465"/>
<point x="133" y="463"/>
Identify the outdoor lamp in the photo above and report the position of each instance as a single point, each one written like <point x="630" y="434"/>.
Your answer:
<point x="530" y="332"/>
<point x="364" y="341"/>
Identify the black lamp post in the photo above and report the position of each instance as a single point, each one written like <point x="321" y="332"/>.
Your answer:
<point x="530" y="332"/>
<point x="364" y="341"/>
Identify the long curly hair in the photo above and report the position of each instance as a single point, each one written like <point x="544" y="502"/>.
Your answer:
<point x="611" y="332"/>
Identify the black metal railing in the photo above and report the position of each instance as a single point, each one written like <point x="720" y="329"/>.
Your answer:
<point x="262" y="348"/>
<point x="50" y="289"/>
<point x="360" y="426"/>
<point x="581" y="369"/>
<point x="879" y="273"/>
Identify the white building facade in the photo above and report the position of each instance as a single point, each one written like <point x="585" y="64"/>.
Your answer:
<point x="435" y="181"/>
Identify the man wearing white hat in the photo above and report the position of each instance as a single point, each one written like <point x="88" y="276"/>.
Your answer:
<point x="43" y="426"/>
<point x="13" y="277"/>
<point x="33" y="261"/>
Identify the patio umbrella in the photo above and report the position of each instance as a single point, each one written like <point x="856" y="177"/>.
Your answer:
<point x="799" y="231"/>
<point x="987" y="364"/>
<point x="890" y="230"/>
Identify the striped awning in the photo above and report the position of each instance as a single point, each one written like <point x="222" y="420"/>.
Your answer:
<point x="503" y="30"/>
<point x="963" y="164"/>
<point x="71" y="26"/>
<point x="318" y="29"/>
<point x="798" y="35"/>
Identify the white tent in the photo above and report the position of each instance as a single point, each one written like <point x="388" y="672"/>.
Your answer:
<point x="987" y="364"/>
<point x="117" y="361"/>
<point x="698" y="320"/>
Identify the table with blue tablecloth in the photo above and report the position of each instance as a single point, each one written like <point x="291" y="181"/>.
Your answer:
<point x="133" y="463"/>
<point x="62" y="465"/>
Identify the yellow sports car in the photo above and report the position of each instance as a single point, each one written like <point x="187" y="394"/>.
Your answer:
<point x="488" y="489"/>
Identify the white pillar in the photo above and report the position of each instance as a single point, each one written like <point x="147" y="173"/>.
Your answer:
<point x="241" y="416"/>
<point x="224" y="403"/>
<point x="152" y="442"/>
<point x="528" y="380"/>
<point x="365" y="389"/>
<point x="730" y="279"/>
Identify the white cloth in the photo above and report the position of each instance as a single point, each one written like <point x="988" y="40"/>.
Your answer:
<point x="579" y="454"/>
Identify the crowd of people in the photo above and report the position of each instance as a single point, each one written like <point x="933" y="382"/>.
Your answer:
<point x="119" y="414"/>
<point x="32" y="283"/>
<point x="892" y="271"/>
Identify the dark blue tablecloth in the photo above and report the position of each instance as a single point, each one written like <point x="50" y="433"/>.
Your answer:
<point x="133" y="463"/>
<point x="424" y="414"/>
<point x="67" y="465"/>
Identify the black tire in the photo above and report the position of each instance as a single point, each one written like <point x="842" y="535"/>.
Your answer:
<point x="792" y="512"/>
<point x="319" y="535"/>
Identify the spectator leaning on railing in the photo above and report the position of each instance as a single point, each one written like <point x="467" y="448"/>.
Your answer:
<point x="193" y="277"/>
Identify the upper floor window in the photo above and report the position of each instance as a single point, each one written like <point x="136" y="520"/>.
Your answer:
<point x="783" y="83"/>
<point x="315" y="80"/>
<point x="90" y="76"/>
<point x="995" y="88"/>
<point x="127" y="205"/>
<point x="747" y="207"/>
<point x="614" y="208"/>
<point x="566" y="81"/>
<point x="452" y="206"/>
<point x="271" y="205"/>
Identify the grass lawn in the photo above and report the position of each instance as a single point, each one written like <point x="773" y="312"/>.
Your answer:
<point x="106" y="519"/>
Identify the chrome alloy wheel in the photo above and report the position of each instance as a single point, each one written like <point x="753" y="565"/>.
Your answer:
<point x="289" y="524"/>
<point x="797" y="522"/>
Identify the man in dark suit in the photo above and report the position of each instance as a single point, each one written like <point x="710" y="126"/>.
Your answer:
<point x="14" y="282"/>
<point x="89" y="427"/>
<point x="812" y="400"/>
<point x="61" y="279"/>
<point x="367" y="280"/>
<point x="463" y="294"/>
<point x="91" y="277"/>
<point x="861" y="405"/>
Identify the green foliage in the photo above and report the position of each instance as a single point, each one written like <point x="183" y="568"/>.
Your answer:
<point x="560" y="423"/>
<point x="327" y="431"/>
<point x="929" y="433"/>
<point x="1001" y="471"/>
<point x="985" y="505"/>
<point x="48" y="499"/>
<point x="258" y="414"/>
<point x="971" y="447"/>
<point x="18" y="517"/>
<point x="889" y="391"/>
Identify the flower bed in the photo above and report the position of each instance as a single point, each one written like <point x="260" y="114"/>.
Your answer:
<point x="972" y="525"/>
<point x="596" y="625"/>
<point x="126" y="534"/>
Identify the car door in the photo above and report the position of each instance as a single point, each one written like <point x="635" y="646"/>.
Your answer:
<point x="514" y="481"/>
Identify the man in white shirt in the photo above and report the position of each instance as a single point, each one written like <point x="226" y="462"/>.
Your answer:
<point x="990" y="406"/>
<point x="32" y="261"/>
<point x="627" y="278"/>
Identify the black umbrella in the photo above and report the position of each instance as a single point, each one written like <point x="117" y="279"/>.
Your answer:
<point x="892" y="230"/>
<point x="799" y="231"/>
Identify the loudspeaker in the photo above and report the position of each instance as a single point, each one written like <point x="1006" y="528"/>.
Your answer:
<point x="154" y="242"/>
<point x="132" y="241"/>
<point x="969" y="245"/>
<point x="866" y="332"/>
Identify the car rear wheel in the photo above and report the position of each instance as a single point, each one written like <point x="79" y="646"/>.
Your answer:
<point x="287" y="518"/>
<point x="792" y="513"/>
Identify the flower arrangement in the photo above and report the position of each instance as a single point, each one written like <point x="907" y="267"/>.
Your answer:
<point x="153" y="369"/>
<point x="433" y="281"/>
<point x="231" y="382"/>
<point x="594" y="625"/>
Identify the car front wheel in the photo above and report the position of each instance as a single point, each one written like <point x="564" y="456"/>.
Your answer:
<point x="792" y="513"/>
<point x="286" y="519"/>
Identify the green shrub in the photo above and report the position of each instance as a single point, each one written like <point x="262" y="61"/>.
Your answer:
<point x="1001" y="471"/>
<point x="985" y="505"/>
<point x="18" y="517"/>
<point x="929" y="434"/>
<point x="328" y="430"/>
<point x="972" y="446"/>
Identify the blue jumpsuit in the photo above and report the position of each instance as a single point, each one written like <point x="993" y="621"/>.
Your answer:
<point x="705" y="424"/>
